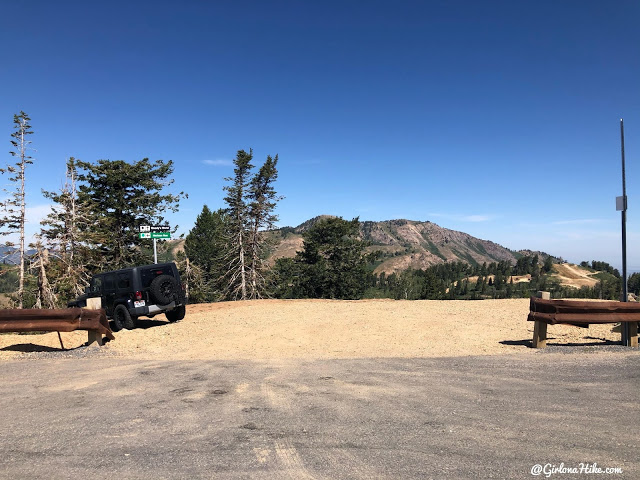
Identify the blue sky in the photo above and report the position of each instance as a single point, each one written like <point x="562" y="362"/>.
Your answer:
<point x="496" y="118"/>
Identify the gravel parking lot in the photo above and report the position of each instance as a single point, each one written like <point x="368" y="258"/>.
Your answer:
<point x="471" y="417"/>
<point x="140" y="410"/>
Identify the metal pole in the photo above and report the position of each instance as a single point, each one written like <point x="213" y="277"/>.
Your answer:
<point x="155" y="252"/>
<point x="625" y="293"/>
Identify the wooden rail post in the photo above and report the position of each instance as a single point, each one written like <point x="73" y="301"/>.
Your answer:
<point x="93" y="335"/>
<point x="539" y="334"/>
<point x="633" y="334"/>
<point x="540" y="328"/>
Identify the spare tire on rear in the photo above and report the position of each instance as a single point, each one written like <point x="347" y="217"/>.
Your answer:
<point x="164" y="289"/>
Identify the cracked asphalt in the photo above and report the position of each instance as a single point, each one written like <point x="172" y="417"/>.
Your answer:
<point x="463" y="417"/>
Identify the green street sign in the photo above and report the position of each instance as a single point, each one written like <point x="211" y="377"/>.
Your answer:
<point x="162" y="235"/>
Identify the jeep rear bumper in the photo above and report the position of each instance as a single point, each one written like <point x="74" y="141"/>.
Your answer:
<point x="151" y="309"/>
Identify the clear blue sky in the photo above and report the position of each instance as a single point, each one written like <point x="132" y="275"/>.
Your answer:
<point x="497" y="118"/>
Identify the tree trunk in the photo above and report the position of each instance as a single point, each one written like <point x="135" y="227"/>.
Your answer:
<point x="255" y="291"/>
<point x="22" y="222"/>
<point x="243" y="275"/>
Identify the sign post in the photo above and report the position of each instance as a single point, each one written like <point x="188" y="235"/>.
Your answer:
<point x="154" y="232"/>
<point x="626" y="339"/>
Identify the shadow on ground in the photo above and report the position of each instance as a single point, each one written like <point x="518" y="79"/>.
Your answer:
<point x="145" y="323"/>
<point x="522" y="343"/>
<point x="32" y="347"/>
<point x="529" y="344"/>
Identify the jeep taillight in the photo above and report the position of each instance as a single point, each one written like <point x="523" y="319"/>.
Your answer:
<point x="138" y="295"/>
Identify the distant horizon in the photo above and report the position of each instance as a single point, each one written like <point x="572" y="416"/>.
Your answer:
<point x="33" y="227"/>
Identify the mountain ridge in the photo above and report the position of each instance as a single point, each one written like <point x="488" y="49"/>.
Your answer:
<point x="408" y="244"/>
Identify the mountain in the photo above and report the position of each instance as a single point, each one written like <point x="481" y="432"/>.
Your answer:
<point x="408" y="244"/>
<point x="11" y="255"/>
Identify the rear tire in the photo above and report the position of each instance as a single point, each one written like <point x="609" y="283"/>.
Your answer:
<point x="164" y="289"/>
<point x="176" y="314"/>
<point x="122" y="318"/>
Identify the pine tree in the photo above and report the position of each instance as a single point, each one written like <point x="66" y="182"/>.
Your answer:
<point x="510" y="288"/>
<point x="15" y="205"/>
<point x="479" y="282"/>
<point x="333" y="262"/>
<point x="263" y="198"/>
<point x="251" y="201"/>
<point x="205" y="247"/>
<point x="124" y="196"/>
<point x="237" y="261"/>
<point x="67" y="231"/>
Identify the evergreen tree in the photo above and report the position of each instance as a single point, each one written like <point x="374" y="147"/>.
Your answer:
<point x="238" y="211"/>
<point x="633" y="284"/>
<point x="262" y="202"/>
<point x="535" y="267"/>
<point x="206" y="245"/>
<point x="14" y="219"/>
<point x="286" y="279"/>
<point x="67" y="231"/>
<point x="124" y="196"/>
<point x="510" y="288"/>
<point x="251" y="201"/>
<point x="333" y="262"/>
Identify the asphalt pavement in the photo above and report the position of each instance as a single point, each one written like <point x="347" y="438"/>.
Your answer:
<point x="441" y="418"/>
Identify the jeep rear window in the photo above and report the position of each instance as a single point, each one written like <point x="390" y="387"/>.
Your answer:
<point x="124" y="281"/>
<point x="109" y="282"/>
<point x="148" y="274"/>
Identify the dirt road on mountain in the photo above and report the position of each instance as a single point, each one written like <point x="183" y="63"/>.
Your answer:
<point x="574" y="276"/>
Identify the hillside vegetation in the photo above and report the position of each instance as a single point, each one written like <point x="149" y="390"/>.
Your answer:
<point x="418" y="260"/>
<point x="407" y="244"/>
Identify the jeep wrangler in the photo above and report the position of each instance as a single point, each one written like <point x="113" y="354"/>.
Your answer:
<point x="135" y="292"/>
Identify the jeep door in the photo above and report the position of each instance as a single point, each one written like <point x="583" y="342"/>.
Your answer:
<point x="125" y="286"/>
<point x="109" y="293"/>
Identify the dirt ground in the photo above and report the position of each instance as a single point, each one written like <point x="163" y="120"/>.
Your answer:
<point x="322" y="329"/>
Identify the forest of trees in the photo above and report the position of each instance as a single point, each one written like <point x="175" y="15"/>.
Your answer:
<point x="461" y="281"/>
<point x="94" y="222"/>
<point x="335" y="263"/>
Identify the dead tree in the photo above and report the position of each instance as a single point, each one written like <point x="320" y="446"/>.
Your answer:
<point x="67" y="230"/>
<point x="45" y="295"/>
<point x="14" y="218"/>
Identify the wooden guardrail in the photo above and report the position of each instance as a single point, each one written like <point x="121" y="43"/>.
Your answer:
<point x="57" y="320"/>
<point x="580" y="314"/>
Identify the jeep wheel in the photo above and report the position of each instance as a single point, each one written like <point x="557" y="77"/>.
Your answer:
<point x="122" y="318"/>
<point x="164" y="289"/>
<point x="175" y="314"/>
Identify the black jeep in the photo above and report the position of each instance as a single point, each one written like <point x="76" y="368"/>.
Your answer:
<point x="139" y="291"/>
